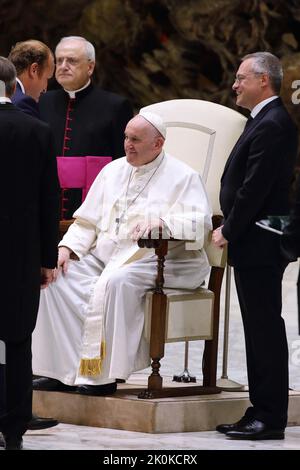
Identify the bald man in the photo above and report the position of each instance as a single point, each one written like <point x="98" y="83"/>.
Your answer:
<point x="97" y="301"/>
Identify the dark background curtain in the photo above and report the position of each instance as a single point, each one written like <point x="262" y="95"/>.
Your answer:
<point x="155" y="50"/>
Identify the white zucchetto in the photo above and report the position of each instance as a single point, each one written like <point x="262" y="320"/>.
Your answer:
<point x="156" y="121"/>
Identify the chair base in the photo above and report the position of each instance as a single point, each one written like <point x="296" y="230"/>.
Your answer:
<point x="178" y="392"/>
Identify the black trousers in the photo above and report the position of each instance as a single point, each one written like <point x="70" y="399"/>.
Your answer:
<point x="260" y="298"/>
<point x="17" y="388"/>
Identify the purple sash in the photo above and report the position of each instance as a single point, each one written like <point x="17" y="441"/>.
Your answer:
<point x="79" y="172"/>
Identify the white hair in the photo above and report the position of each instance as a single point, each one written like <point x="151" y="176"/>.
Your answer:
<point x="265" y="62"/>
<point x="89" y="48"/>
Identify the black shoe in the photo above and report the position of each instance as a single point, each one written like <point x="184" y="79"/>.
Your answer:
<point x="13" y="443"/>
<point x="97" y="390"/>
<point x="41" y="423"/>
<point x="51" y="385"/>
<point x="225" y="428"/>
<point x="255" y="430"/>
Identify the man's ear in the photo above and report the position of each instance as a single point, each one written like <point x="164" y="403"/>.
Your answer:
<point x="14" y="87"/>
<point x="33" y="70"/>
<point x="159" y="142"/>
<point x="91" y="67"/>
<point x="265" y="80"/>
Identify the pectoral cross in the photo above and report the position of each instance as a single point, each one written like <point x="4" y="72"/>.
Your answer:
<point x="117" y="225"/>
<point x="118" y="221"/>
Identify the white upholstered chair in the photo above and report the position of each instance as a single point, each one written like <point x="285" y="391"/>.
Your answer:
<point x="201" y="134"/>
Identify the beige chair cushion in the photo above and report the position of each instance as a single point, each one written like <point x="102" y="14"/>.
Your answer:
<point x="189" y="314"/>
<point x="216" y="256"/>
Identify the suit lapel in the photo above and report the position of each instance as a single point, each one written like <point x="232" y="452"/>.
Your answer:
<point x="249" y="128"/>
<point x="19" y="88"/>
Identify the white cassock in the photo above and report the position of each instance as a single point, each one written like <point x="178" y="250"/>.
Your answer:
<point x="90" y="322"/>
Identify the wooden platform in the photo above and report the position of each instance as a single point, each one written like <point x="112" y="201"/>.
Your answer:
<point x="125" y="411"/>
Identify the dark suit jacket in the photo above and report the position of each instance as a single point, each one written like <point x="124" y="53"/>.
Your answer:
<point x="98" y="121"/>
<point x="26" y="103"/>
<point x="255" y="184"/>
<point x="29" y="218"/>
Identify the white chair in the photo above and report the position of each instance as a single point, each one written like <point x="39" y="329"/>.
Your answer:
<point x="202" y="134"/>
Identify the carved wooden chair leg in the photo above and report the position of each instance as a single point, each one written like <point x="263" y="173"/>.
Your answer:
<point x="158" y="322"/>
<point x="157" y="344"/>
<point x="210" y="355"/>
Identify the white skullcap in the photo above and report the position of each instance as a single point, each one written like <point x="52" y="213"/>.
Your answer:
<point x="155" y="120"/>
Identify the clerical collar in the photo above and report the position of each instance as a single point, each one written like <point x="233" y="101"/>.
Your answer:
<point x="261" y="105"/>
<point x="21" y="85"/>
<point x="72" y="94"/>
<point x="149" y="166"/>
<point x="4" y="99"/>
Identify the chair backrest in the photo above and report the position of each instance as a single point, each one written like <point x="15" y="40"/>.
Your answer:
<point x="202" y="134"/>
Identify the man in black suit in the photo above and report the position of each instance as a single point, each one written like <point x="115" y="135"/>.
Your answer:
<point x="255" y="184"/>
<point x="29" y="213"/>
<point x="34" y="63"/>
<point x="85" y="119"/>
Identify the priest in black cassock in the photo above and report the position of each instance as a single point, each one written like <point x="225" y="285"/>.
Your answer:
<point x="85" y="119"/>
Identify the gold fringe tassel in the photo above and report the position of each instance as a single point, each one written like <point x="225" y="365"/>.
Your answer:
<point x="91" y="367"/>
<point x="103" y="349"/>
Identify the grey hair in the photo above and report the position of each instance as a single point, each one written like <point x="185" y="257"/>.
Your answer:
<point x="89" y="48"/>
<point x="265" y="62"/>
<point x="8" y="75"/>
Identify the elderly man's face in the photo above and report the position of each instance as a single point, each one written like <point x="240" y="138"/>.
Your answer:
<point x="142" y="143"/>
<point x="249" y="85"/>
<point x="73" y="69"/>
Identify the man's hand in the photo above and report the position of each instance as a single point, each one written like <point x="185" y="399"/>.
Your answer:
<point x="47" y="276"/>
<point x="217" y="237"/>
<point x="64" y="255"/>
<point x="143" y="229"/>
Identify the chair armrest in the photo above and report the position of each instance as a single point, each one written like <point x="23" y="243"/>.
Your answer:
<point x="156" y="243"/>
<point x="161" y="249"/>
<point x="63" y="226"/>
<point x="216" y="256"/>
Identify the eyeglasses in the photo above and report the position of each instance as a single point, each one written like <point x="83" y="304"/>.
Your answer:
<point x="71" y="61"/>
<point x="240" y="78"/>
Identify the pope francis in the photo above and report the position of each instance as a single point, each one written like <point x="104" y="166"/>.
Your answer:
<point x="90" y="324"/>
